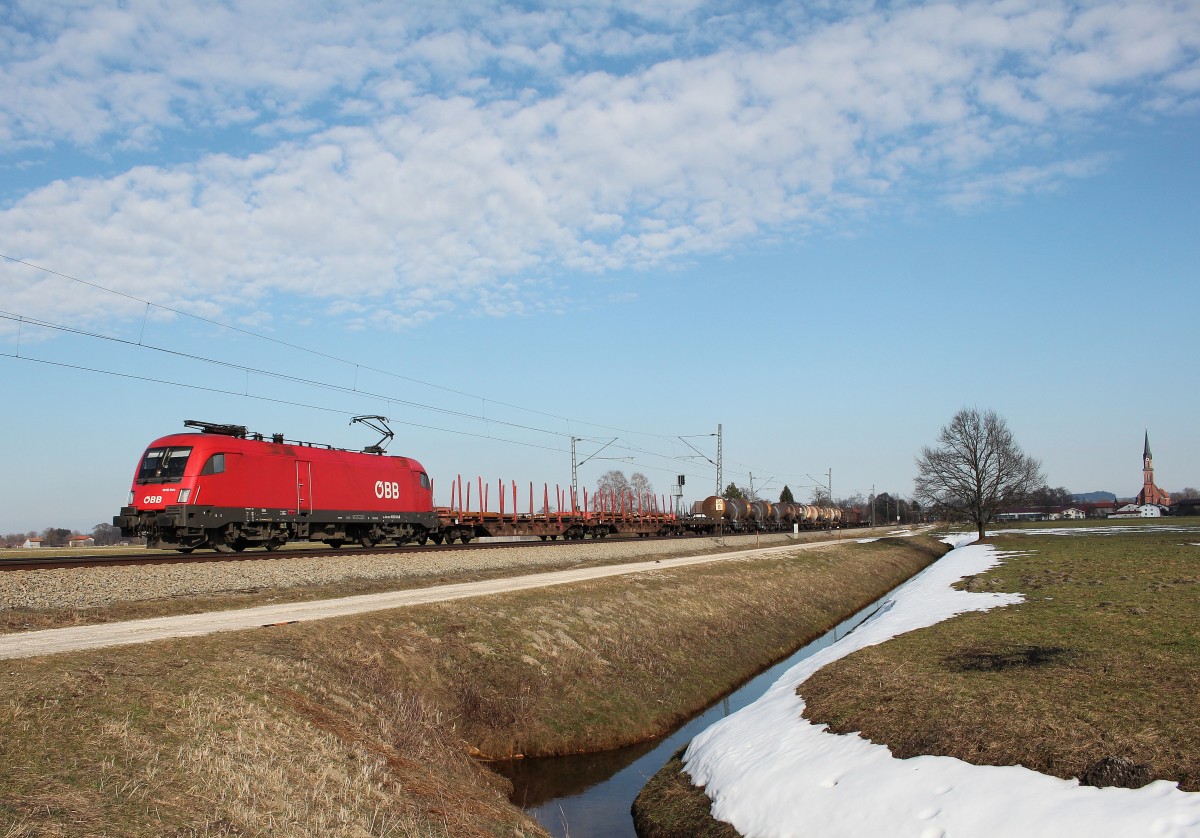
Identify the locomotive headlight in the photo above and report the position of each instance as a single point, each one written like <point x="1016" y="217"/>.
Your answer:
<point x="130" y="499"/>
<point x="184" y="494"/>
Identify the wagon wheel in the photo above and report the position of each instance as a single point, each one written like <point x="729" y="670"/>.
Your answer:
<point x="423" y="538"/>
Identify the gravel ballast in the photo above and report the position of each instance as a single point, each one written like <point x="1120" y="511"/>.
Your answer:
<point x="98" y="587"/>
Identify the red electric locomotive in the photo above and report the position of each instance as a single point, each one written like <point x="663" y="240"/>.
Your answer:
<point x="228" y="489"/>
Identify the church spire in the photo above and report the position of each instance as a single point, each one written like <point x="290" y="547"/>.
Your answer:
<point x="1150" y="493"/>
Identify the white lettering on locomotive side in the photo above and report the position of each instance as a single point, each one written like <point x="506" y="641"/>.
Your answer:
<point x="386" y="490"/>
<point x="152" y="499"/>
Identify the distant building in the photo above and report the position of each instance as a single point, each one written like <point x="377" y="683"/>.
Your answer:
<point x="1052" y="513"/>
<point x="32" y="543"/>
<point x="1135" y="510"/>
<point x="1150" y="493"/>
<point x="81" y="541"/>
<point x="1099" y="509"/>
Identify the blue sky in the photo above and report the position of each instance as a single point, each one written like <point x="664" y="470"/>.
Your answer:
<point x="826" y="227"/>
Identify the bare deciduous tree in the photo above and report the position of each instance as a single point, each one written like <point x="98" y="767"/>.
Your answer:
<point x="976" y="470"/>
<point x="640" y="485"/>
<point x="611" y="488"/>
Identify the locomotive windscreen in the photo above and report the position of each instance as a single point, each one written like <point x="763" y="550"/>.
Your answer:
<point x="163" y="465"/>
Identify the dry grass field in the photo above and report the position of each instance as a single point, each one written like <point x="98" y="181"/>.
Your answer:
<point x="1101" y="663"/>
<point x="374" y="725"/>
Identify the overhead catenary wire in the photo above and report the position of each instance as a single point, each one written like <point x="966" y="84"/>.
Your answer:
<point x="4" y="315"/>
<point x="23" y="320"/>
<point x="248" y="370"/>
<point x="675" y="460"/>
<point x="270" y="399"/>
<point x="314" y="352"/>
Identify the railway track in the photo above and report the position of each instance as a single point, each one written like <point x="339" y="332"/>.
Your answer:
<point x="143" y="558"/>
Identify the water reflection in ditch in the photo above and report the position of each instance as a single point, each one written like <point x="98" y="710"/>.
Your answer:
<point x="590" y="795"/>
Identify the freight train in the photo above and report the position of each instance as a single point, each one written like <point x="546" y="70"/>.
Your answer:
<point x="227" y="489"/>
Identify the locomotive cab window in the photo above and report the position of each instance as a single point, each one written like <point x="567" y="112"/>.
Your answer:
<point x="215" y="465"/>
<point x="163" y="465"/>
<point x="424" y="480"/>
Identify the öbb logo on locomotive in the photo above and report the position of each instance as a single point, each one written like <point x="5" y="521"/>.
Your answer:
<point x="387" y="491"/>
<point x="227" y="489"/>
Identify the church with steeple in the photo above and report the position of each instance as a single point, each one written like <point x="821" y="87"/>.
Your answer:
<point x="1150" y="493"/>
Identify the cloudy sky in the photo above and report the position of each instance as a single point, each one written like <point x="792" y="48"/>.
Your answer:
<point x="825" y="226"/>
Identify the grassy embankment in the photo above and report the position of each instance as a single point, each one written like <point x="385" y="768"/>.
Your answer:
<point x="365" y="725"/>
<point x="1095" y="675"/>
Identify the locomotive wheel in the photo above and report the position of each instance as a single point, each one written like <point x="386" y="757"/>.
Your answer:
<point x="221" y="546"/>
<point x="366" y="541"/>
<point x="335" y="543"/>
<point x="423" y="538"/>
<point x="274" y="544"/>
<point x="239" y="544"/>
<point x="185" y="549"/>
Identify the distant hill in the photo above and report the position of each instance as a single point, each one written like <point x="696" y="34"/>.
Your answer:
<point x="1094" y="497"/>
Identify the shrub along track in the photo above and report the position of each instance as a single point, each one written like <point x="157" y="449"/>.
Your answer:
<point x="366" y="725"/>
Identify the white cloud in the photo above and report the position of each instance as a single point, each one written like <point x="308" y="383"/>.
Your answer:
<point x="1020" y="180"/>
<point x="434" y="154"/>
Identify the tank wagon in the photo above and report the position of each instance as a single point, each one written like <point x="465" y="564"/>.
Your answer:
<point x="735" y="515"/>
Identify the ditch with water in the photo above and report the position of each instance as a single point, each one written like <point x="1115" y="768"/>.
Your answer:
<point x="590" y="795"/>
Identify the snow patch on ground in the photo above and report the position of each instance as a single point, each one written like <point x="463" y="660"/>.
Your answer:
<point x="771" y="772"/>
<point x="1125" y="529"/>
